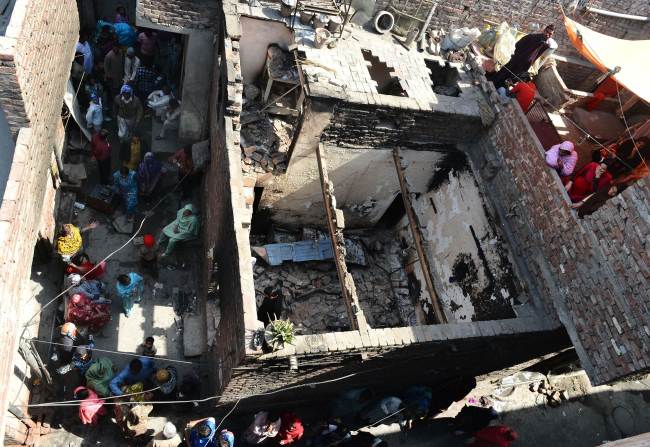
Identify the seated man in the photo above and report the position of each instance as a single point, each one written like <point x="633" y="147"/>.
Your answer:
<point x="139" y="370"/>
<point x="158" y="100"/>
<point x="563" y="158"/>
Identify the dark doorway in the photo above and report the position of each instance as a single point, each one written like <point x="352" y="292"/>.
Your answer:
<point x="393" y="214"/>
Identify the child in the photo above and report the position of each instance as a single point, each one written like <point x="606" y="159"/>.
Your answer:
<point x="147" y="348"/>
<point x="149" y="256"/>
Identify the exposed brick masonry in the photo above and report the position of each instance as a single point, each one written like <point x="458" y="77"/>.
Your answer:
<point x="595" y="271"/>
<point x="189" y="14"/>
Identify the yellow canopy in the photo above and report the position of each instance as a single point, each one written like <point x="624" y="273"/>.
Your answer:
<point x="607" y="53"/>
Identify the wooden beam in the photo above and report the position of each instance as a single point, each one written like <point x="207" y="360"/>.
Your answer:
<point x="418" y="240"/>
<point x="335" y="227"/>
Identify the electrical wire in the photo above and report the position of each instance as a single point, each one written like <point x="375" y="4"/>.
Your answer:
<point x="627" y="127"/>
<point x="130" y="354"/>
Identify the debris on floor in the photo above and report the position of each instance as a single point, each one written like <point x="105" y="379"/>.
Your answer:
<point x="311" y="289"/>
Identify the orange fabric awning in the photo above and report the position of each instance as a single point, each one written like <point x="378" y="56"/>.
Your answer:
<point x="607" y="53"/>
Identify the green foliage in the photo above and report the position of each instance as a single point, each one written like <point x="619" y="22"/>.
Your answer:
<point x="282" y="331"/>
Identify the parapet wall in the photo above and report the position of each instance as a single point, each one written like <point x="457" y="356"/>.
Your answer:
<point x="592" y="273"/>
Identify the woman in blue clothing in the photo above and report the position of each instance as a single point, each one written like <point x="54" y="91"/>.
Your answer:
<point x="125" y="183"/>
<point x="130" y="288"/>
<point x="204" y="434"/>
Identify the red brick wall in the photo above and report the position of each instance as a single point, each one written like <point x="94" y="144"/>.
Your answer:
<point x="36" y="57"/>
<point x="593" y="272"/>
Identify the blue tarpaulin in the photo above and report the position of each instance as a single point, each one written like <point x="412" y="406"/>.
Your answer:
<point x="299" y="251"/>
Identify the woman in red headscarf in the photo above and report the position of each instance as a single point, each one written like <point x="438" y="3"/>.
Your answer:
<point x="81" y="265"/>
<point x="82" y="311"/>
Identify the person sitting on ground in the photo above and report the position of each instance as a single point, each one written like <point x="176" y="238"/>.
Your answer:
<point x="69" y="240"/>
<point x="150" y="171"/>
<point x="265" y="425"/>
<point x="184" y="228"/>
<point x="131" y="65"/>
<point x="69" y="337"/>
<point x="147" y="348"/>
<point x="202" y="433"/>
<point x="99" y="376"/>
<point x="158" y="100"/>
<point x="138" y="370"/>
<point x="593" y="177"/>
<point x="149" y="256"/>
<point x="417" y="400"/>
<point x="494" y="436"/>
<point x="81" y="265"/>
<point x="93" y="289"/>
<point x="125" y="185"/>
<point x="133" y="422"/>
<point x="82" y="358"/>
<point x="291" y="429"/>
<point x="473" y="418"/>
<point x="172" y="118"/>
<point x="130" y="288"/>
<point x="563" y="158"/>
<point x="523" y="91"/>
<point x="166" y="379"/>
<point x="95" y="114"/>
<point x="348" y="404"/>
<point x="91" y="407"/>
<point x="271" y="307"/>
<point x="83" y="311"/>
<point x="168" y="437"/>
<point x="127" y="108"/>
<point x="385" y="411"/>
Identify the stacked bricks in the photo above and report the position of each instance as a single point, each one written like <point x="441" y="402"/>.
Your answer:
<point x="187" y="14"/>
<point x="35" y="58"/>
<point x="593" y="272"/>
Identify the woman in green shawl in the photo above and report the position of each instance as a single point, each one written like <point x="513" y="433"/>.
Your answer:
<point x="99" y="375"/>
<point x="184" y="228"/>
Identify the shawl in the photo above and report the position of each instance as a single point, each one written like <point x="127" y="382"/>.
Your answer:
<point x="90" y="408"/>
<point x="196" y="440"/>
<point x="127" y="291"/>
<point x="70" y="244"/>
<point x="149" y="169"/>
<point x="188" y="226"/>
<point x="99" y="376"/>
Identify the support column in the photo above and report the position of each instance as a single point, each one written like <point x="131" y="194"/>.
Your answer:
<point x="417" y="239"/>
<point x="335" y="225"/>
<point x="197" y="71"/>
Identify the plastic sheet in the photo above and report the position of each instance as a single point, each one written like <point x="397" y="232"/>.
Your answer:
<point x="504" y="46"/>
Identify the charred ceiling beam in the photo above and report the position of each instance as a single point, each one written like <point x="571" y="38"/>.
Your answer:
<point x="418" y="240"/>
<point x="335" y="225"/>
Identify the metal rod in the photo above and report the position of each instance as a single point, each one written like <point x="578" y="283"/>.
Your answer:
<point x="427" y="21"/>
<point x="617" y="14"/>
<point x="417" y="239"/>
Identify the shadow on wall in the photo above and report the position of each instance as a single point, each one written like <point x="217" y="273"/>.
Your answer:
<point x="7" y="153"/>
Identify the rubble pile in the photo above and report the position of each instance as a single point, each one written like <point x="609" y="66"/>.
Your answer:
<point x="312" y="293"/>
<point x="264" y="139"/>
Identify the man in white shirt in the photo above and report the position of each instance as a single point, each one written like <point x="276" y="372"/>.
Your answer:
<point x="158" y="100"/>
<point x="131" y="65"/>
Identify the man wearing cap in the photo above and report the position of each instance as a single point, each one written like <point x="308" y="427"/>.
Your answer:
<point x="128" y="110"/>
<point x="131" y="65"/>
<point x="563" y="158"/>
<point x="168" y="437"/>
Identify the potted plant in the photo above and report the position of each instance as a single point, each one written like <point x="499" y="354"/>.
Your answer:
<point x="279" y="332"/>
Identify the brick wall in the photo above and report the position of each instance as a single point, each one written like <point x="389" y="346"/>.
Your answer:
<point x="459" y="13"/>
<point x="592" y="273"/>
<point x="36" y="55"/>
<point x="355" y="125"/>
<point x="188" y="14"/>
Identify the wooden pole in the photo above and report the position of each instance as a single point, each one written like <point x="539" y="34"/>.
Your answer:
<point x="417" y="239"/>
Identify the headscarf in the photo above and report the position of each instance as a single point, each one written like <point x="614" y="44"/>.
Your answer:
<point x="99" y="376"/>
<point x="71" y="243"/>
<point x="197" y="440"/>
<point x="169" y="430"/>
<point x="149" y="169"/>
<point x="188" y="226"/>
<point x="228" y="437"/>
<point x="165" y="379"/>
<point x="566" y="146"/>
<point x="126" y="88"/>
<point x="75" y="279"/>
<point x="69" y="329"/>
<point x="91" y="407"/>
